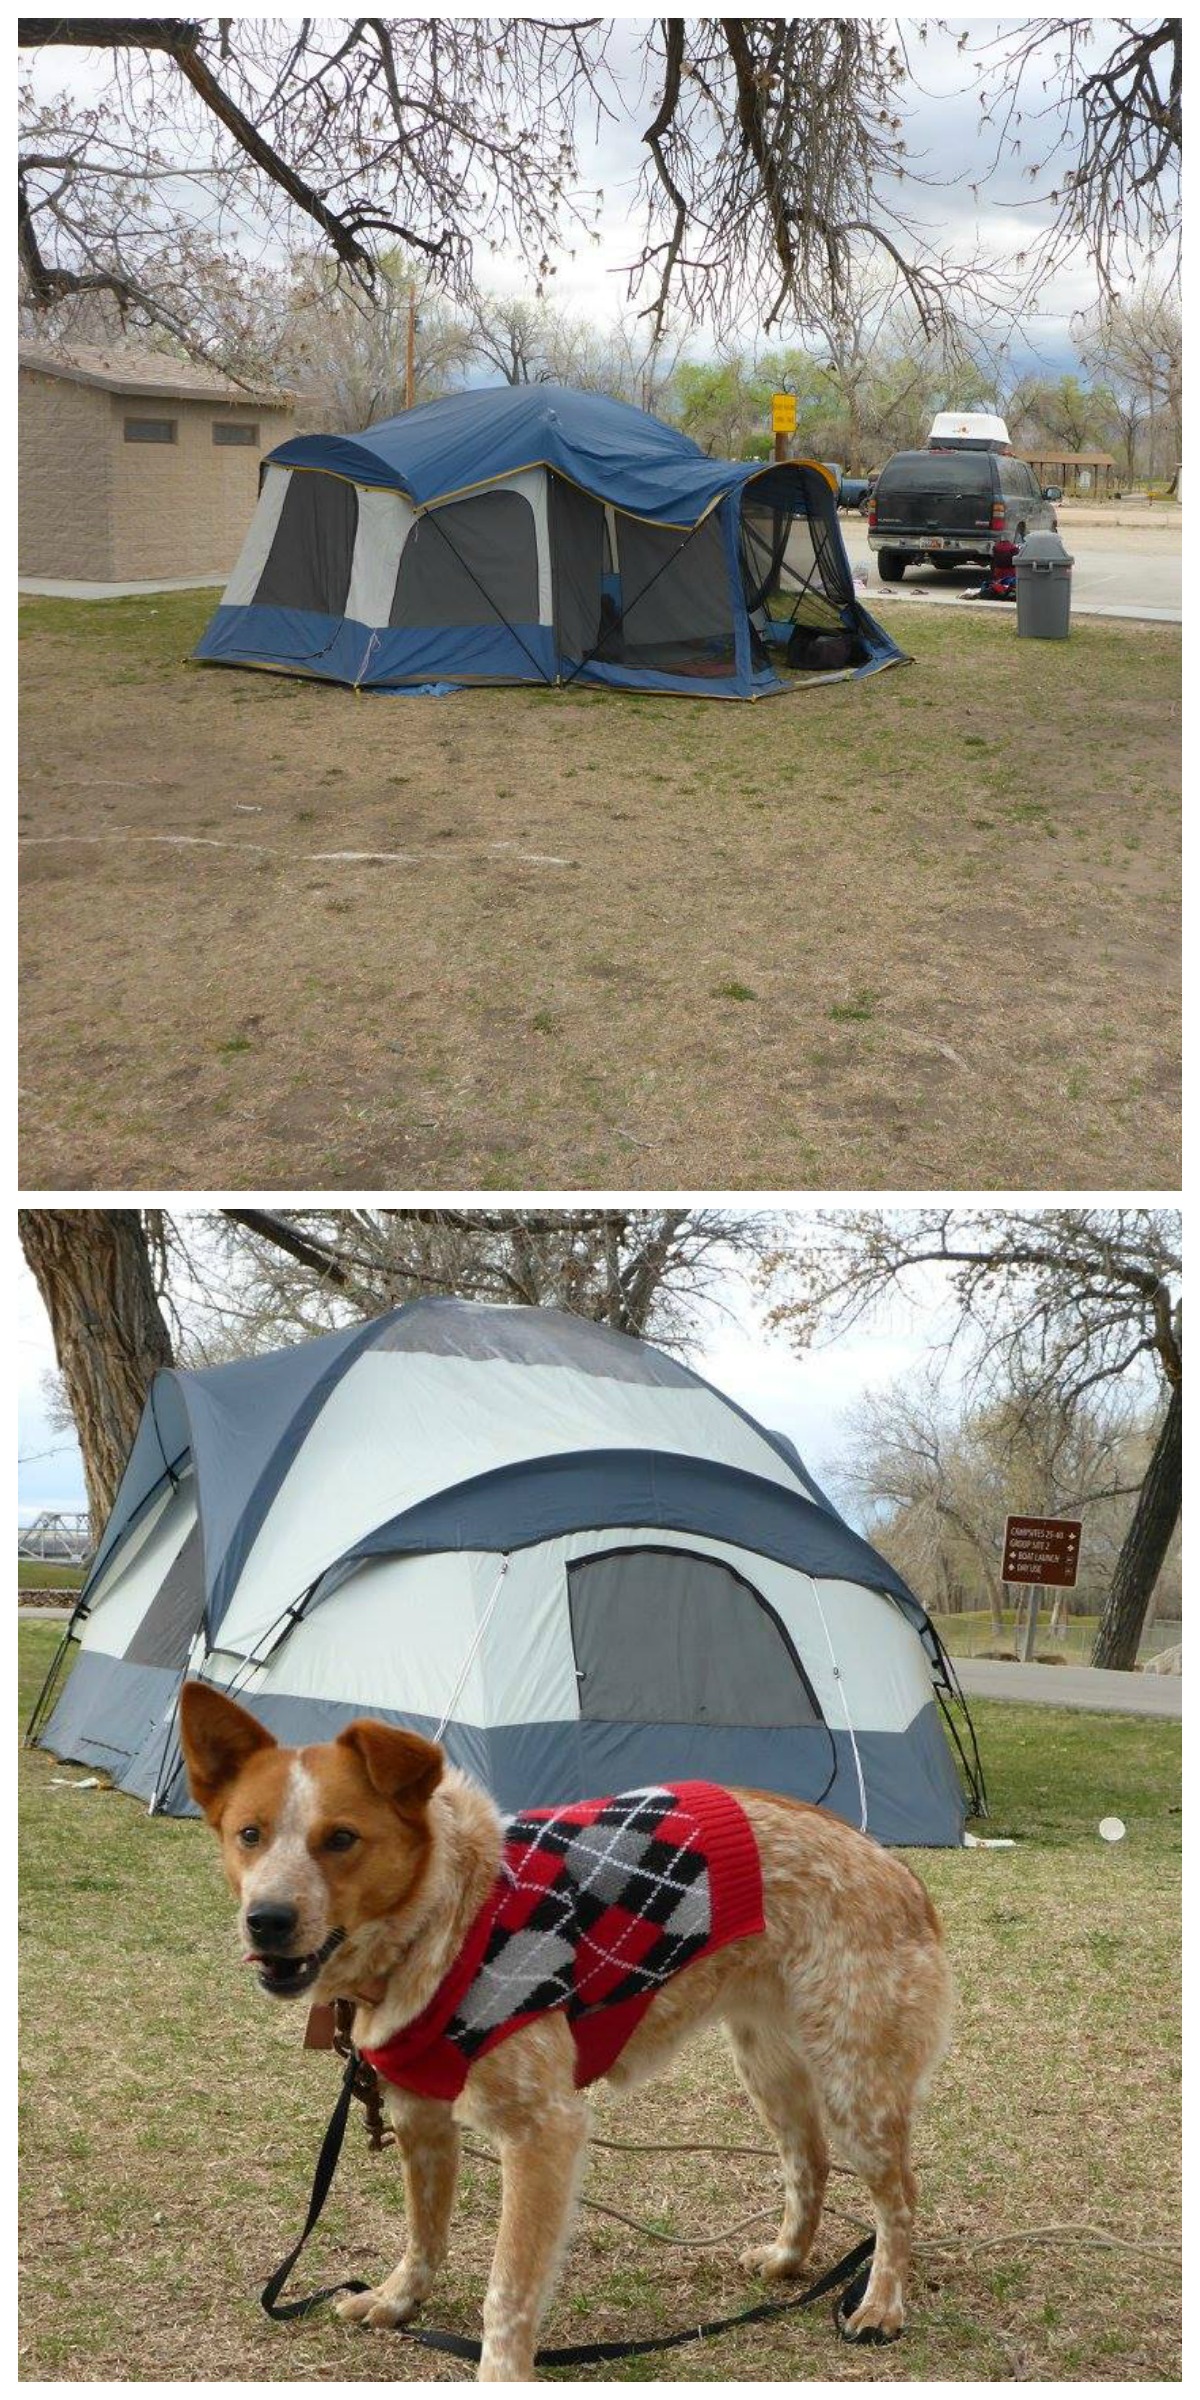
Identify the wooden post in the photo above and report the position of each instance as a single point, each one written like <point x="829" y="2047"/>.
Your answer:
<point x="410" y="352"/>
<point x="781" y="448"/>
<point x="1029" y="1645"/>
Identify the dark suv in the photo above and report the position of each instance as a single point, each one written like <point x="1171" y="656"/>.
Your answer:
<point x="953" y="507"/>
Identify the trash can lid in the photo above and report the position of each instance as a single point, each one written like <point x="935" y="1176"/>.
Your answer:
<point x="1043" y="550"/>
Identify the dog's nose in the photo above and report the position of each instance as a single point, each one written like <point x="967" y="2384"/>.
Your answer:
<point x="271" y="1925"/>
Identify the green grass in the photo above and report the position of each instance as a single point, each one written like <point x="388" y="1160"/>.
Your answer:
<point x="970" y="1632"/>
<point x="170" y="2120"/>
<point x="155" y="633"/>
<point x="40" y="1575"/>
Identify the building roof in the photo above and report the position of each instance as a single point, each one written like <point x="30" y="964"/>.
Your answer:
<point x="1057" y="455"/>
<point x="143" y="372"/>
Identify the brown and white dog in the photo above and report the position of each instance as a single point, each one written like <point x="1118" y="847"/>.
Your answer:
<point x="361" y="1864"/>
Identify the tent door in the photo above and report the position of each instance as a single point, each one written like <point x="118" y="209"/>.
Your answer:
<point x="578" y="547"/>
<point x="669" y="1636"/>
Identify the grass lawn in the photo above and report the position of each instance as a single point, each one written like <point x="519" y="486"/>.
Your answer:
<point x="171" y="2122"/>
<point x="970" y="1632"/>
<point x="916" y="931"/>
<point x="47" y="1575"/>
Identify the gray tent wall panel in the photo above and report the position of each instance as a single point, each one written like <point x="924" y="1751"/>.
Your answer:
<point x="165" y="1635"/>
<point x="579" y="549"/>
<point x="465" y="563"/>
<point x="463" y="1329"/>
<point x="110" y="1712"/>
<point x="310" y="558"/>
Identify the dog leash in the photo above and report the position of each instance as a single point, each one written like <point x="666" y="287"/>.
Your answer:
<point x="848" y="2278"/>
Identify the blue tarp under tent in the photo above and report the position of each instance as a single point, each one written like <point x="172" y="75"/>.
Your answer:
<point x="554" y="1547"/>
<point x="539" y="535"/>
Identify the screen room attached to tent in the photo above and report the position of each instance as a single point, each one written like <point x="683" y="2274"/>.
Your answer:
<point x="554" y="1546"/>
<point x="537" y="535"/>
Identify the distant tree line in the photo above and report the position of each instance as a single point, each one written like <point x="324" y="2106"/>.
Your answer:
<point x="864" y="388"/>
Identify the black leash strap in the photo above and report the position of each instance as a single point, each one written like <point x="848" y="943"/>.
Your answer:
<point x="595" y="2354"/>
<point x="852" y="2267"/>
<point x="335" y="2134"/>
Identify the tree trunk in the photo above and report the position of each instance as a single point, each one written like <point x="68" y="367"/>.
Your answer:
<point x="93" y="1271"/>
<point x="1145" y="1545"/>
<point x="995" y="1593"/>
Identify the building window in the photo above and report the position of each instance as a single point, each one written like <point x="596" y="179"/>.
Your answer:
<point x="150" y="429"/>
<point x="235" y="437"/>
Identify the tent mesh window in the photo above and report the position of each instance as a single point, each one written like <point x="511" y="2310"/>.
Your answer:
<point x="308" y="565"/>
<point x="473" y="562"/>
<point x="790" y="571"/>
<point x="675" y="605"/>
<point x="665" y="1636"/>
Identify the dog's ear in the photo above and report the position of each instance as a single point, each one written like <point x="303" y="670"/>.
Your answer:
<point x="402" y="1766"/>
<point x="217" y="1738"/>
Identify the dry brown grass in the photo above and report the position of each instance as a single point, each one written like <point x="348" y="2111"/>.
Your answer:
<point x="911" y="932"/>
<point x="170" y="2121"/>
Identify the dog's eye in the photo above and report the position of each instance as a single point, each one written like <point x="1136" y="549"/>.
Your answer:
<point x="342" y="1838"/>
<point x="248" y="1835"/>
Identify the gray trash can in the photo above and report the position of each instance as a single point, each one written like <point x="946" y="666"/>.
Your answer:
<point x="1043" y="570"/>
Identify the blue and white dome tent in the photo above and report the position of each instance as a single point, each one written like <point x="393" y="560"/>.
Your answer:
<point x="537" y="535"/>
<point x="555" y="1548"/>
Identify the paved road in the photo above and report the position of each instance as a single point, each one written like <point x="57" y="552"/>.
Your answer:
<point x="1072" y="1687"/>
<point x="1119" y="569"/>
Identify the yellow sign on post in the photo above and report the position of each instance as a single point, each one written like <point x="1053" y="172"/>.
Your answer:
<point x="783" y="412"/>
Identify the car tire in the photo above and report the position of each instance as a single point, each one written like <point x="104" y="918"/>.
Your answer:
<point x="892" y="564"/>
<point x="945" y="566"/>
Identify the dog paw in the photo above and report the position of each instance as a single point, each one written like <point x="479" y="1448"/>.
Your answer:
<point x="773" y="2260"/>
<point x="378" y="2308"/>
<point x="874" y="2321"/>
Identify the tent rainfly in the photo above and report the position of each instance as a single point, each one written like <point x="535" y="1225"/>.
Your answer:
<point x="539" y="535"/>
<point x="553" y="1547"/>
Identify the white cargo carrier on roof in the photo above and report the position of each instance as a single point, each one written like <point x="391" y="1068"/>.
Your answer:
<point x="968" y="429"/>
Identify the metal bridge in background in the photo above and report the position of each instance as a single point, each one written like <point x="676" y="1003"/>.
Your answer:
<point x="62" y="1537"/>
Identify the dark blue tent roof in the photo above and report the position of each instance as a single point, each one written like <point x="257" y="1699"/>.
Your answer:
<point x="616" y="452"/>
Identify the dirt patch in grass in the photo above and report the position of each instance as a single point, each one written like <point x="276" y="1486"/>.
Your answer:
<point x="167" y="2172"/>
<point x="915" y="931"/>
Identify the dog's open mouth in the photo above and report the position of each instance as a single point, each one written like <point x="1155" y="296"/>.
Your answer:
<point x="288" y="1977"/>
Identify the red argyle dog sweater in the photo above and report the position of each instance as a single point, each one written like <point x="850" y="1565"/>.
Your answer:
<point x="595" y="1907"/>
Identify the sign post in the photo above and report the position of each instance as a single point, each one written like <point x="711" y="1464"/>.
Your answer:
<point x="783" y="421"/>
<point x="1038" y="1551"/>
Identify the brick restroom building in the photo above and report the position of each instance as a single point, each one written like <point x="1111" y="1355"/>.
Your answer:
<point x="136" y="468"/>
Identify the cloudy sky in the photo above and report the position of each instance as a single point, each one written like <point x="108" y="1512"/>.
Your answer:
<point x="946" y="143"/>
<point x="947" y="147"/>
<point x="810" y="1399"/>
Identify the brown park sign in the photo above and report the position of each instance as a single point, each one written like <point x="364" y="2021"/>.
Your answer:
<point x="1041" y="1550"/>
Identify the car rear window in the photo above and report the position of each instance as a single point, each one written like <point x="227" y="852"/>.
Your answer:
<point x="1017" y="480"/>
<point x="938" y="471"/>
